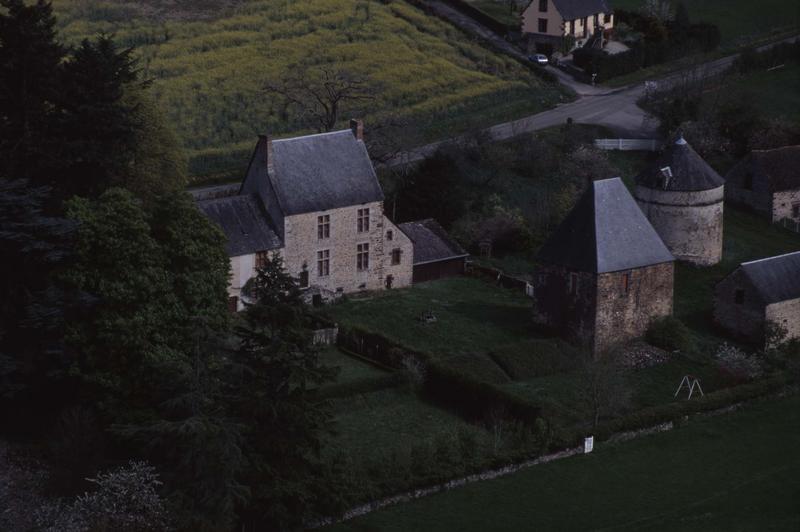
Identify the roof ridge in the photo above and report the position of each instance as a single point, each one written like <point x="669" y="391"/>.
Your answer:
<point x="324" y="133"/>
<point x="770" y="258"/>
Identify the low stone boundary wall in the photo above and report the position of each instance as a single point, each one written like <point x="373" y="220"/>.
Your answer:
<point x="628" y="144"/>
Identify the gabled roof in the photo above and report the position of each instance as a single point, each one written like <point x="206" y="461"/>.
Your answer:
<point x="244" y="222"/>
<point x="687" y="171"/>
<point x="605" y="232"/>
<point x="431" y="241"/>
<point x="572" y="9"/>
<point x="775" y="278"/>
<point x="321" y="172"/>
<point x="780" y="168"/>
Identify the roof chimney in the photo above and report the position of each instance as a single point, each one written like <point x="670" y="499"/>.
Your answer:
<point x="268" y="159"/>
<point x="358" y="128"/>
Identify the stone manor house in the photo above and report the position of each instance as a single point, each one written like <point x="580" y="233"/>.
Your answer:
<point x="316" y="201"/>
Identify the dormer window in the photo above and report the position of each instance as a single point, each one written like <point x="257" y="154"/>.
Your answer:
<point x="542" y="6"/>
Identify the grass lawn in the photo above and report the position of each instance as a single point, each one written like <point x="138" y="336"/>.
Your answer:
<point x="472" y="316"/>
<point x="373" y="425"/>
<point x="737" y="472"/>
<point x="498" y="10"/>
<point x="351" y="369"/>
<point x="739" y="21"/>
<point x="746" y="237"/>
<point x="775" y="93"/>
<point x="209" y="62"/>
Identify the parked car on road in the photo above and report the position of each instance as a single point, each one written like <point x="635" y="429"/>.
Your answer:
<point x="539" y="59"/>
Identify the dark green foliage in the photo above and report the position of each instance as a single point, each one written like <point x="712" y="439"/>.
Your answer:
<point x="671" y="334"/>
<point x="30" y="59"/>
<point x="273" y="371"/>
<point x="536" y="358"/>
<point x="34" y="247"/>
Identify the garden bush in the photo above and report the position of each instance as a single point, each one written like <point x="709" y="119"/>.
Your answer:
<point x="671" y="334"/>
<point x="536" y="358"/>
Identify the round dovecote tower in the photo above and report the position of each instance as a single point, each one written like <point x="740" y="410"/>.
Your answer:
<point x="682" y="197"/>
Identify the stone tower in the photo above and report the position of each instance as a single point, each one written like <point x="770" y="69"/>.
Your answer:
<point x="682" y="197"/>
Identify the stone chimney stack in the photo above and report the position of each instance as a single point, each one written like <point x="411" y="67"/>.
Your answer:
<point x="268" y="159"/>
<point x="358" y="128"/>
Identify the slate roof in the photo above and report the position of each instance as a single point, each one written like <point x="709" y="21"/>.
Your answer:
<point x="244" y="222"/>
<point x="322" y="172"/>
<point x="431" y="241"/>
<point x="775" y="278"/>
<point x="605" y="232"/>
<point x="572" y="9"/>
<point x="689" y="171"/>
<point x="780" y="167"/>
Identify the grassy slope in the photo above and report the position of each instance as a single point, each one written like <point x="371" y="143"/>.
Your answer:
<point x="350" y="368"/>
<point x="373" y="425"/>
<point x="472" y="316"/>
<point x="733" y="472"/>
<point x="775" y="93"/>
<point x="739" y="21"/>
<point x="208" y="72"/>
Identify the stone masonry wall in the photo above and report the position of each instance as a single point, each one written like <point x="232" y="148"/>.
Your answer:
<point x="571" y="314"/>
<point x="622" y="315"/>
<point x="782" y="203"/>
<point x="301" y="244"/>
<point x="743" y="320"/>
<point x="689" y="223"/>
<point x="786" y="314"/>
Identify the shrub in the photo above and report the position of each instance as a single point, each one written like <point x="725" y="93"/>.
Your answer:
<point x="536" y="358"/>
<point x="671" y="334"/>
<point x="737" y="363"/>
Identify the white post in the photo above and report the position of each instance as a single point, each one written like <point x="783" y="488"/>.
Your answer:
<point x="588" y="444"/>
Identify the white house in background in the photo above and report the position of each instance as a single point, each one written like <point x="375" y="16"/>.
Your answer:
<point x="317" y="202"/>
<point x="550" y="21"/>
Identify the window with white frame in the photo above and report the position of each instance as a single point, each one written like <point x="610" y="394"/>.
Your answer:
<point x="363" y="220"/>
<point x="362" y="257"/>
<point x="324" y="263"/>
<point x="324" y="226"/>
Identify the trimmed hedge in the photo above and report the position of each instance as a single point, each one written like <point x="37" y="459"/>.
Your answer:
<point x="670" y="333"/>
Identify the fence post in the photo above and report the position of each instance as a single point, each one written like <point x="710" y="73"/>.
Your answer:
<point x="620" y="144"/>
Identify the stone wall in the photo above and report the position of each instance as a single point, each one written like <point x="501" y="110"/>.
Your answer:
<point x="571" y="314"/>
<point x="242" y="269"/>
<point x="782" y="203"/>
<point x="743" y="320"/>
<point x="621" y="314"/>
<point x="689" y="223"/>
<point x="787" y="315"/>
<point x="301" y="244"/>
<point x="759" y="198"/>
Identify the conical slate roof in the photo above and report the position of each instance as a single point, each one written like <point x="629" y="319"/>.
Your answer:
<point x="605" y="232"/>
<point x="687" y="171"/>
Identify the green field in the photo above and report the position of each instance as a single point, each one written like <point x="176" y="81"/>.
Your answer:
<point x="737" y="472"/>
<point x="210" y="64"/>
<point x="351" y="369"/>
<point x="775" y="94"/>
<point x="375" y="425"/>
<point x="472" y="316"/>
<point x="499" y="10"/>
<point x="739" y="21"/>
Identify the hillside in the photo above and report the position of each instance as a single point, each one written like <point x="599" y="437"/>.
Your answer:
<point x="209" y="65"/>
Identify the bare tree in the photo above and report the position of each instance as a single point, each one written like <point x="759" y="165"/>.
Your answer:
<point x="320" y="95"/>
<point x="602" y="387"/>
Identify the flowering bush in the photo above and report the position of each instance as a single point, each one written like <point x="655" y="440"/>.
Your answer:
<point x="739" y="364"/>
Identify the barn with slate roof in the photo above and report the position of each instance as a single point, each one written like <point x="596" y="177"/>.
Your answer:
<point x="768" y="181"/>
<point x="436" y="255"/>
<point x="760" y="292"/>
<point x="683" y="197"/>
<point x="604" y="275"/>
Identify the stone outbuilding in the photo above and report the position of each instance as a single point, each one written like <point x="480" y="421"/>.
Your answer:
<point x="683" y="198"/>
<point x="757" y="293"/>
<point x="436" y="254"/>
<point x="768" y="182"/>
<point x="604" y="275"/>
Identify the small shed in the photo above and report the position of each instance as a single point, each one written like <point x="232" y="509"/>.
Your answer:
<point x="436" y="254"/>
<point x="768" y="182"/>
<point x="757" y="293"/>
